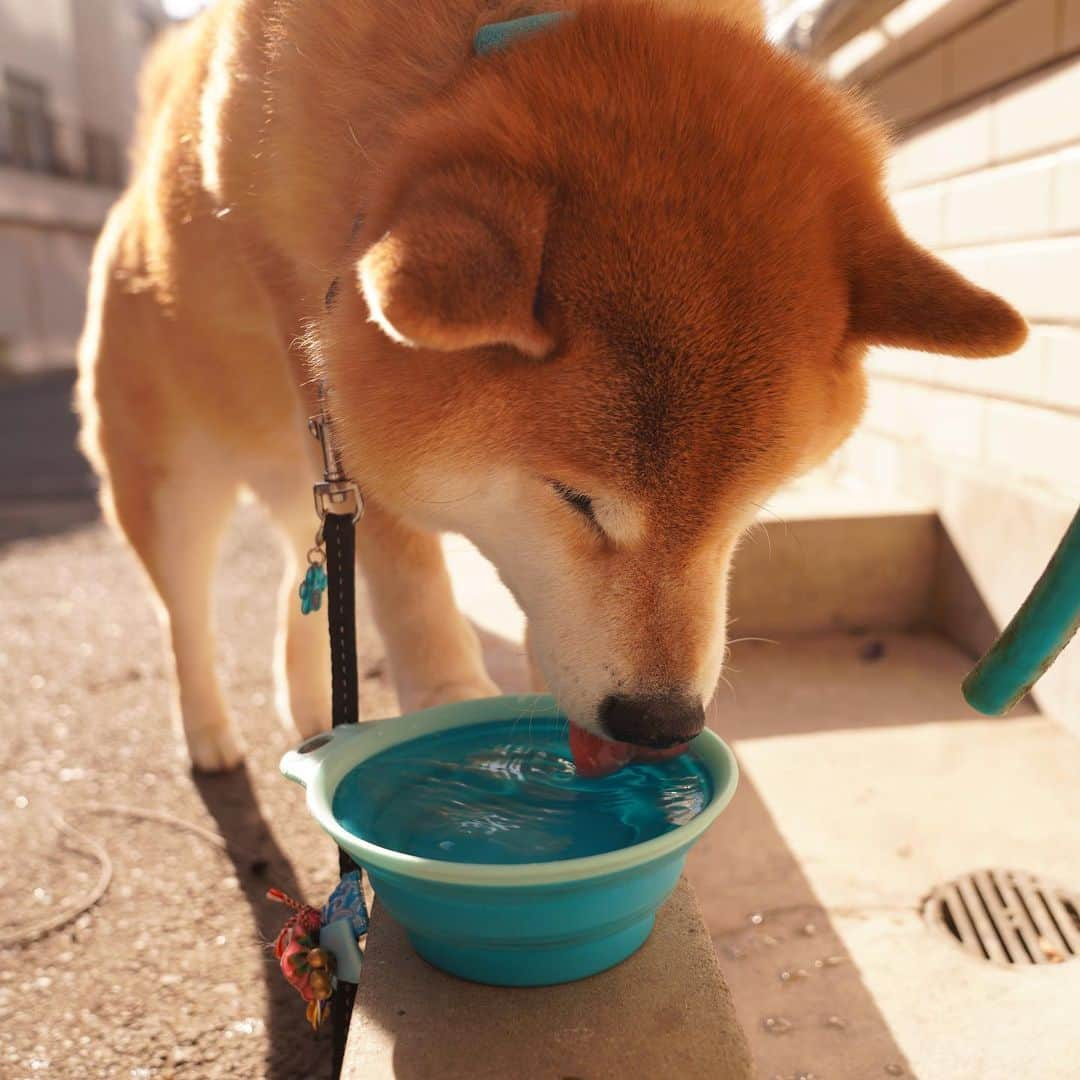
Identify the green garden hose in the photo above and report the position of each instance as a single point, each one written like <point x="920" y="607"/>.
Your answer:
<point x="1043" y="626"/>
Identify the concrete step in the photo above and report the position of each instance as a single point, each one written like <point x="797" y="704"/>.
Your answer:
<point x="865" y="782"/>
<point x="819" y="561"/>
<point x="664" y="1012"/>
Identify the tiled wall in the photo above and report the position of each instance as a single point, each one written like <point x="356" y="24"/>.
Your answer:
<point x="986" y="172"/>
<point x="993" y="185"/>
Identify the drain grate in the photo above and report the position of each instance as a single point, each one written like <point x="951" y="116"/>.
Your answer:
<point x="1008" y="917"/>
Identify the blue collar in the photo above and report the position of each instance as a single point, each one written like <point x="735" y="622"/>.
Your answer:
<point x="497" y="36"/>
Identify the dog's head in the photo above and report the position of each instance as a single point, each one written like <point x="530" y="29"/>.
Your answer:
<point x="615" y="290"/>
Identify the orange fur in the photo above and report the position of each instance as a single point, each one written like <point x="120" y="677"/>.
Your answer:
<point x="639" y="255"/>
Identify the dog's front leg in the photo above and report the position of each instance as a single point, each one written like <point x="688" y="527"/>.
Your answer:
<point x="433" y="653"/>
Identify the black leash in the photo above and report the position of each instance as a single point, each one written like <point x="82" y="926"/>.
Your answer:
<point x="340" y="536"/>
<point x="339" y="504"/>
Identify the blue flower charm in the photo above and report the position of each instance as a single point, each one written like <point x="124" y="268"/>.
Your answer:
<point x="312" y="588"/>
<point x="344" y="922"/>
<point x="347" y="902"/>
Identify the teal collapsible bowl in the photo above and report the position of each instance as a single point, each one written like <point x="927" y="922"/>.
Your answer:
<point x="530" y="924"/>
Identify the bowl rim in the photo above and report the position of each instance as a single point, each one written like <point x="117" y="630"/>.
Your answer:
<point x="312" y="765"/>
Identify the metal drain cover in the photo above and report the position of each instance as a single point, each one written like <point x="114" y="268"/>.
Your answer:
<point x="1007" y="917"/>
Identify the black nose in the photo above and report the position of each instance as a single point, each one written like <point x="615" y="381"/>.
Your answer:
<point x="659" y="720"/>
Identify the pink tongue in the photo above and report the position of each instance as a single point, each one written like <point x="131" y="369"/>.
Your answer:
<point x="594" y="756"/>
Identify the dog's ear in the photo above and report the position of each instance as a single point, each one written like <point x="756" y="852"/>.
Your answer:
<point x="903" y="296"/>
<point x="459" y="263"/>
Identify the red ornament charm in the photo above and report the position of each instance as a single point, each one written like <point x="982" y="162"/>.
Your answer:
<point x="307" y="967"/>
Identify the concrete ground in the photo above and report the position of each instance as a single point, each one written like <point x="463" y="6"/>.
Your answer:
<point x="170" y="974"/>
<point x="865" y="782"/>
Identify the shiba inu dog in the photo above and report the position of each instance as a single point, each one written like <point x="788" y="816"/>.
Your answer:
<point x="586" y="299"/>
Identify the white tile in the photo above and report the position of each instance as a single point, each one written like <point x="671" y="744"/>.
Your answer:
<point x="1039" y="114"/>
<point x="1066" y="206"/>
<point x="1011" y="202"/>
<point x="1062" y="386"/>
<point x="1034" y="444"/>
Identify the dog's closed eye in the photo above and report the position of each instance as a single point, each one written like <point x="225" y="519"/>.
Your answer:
<point x="582" y="503"/>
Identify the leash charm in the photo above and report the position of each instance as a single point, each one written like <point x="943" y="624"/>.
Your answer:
<point x="314" y="584"/>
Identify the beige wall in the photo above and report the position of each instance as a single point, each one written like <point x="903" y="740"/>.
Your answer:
<point x="110" y="38"/>
<point x="87" y="53"/>
<point x="36" y="39"/>
<point x="986" y="172"/>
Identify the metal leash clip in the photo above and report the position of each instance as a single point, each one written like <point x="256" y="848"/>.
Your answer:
<point x="335" y="494"/>
<point x="336" y="491"/>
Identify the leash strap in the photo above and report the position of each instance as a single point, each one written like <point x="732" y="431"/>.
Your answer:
<point x="339" y="534"/>
<point x="339" y="505"/>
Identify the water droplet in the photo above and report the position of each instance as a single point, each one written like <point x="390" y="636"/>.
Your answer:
<point x="777" y="1025"/>
<point x="756" y="919"/>
<point x="21" y="802"/>
<point x="837" y="1022"/>
<point x="808" y="930"/>
<point x="769" y="940"/>
<point x="833" y="961"/>
<point x="895" y="1070"/>
<point x="37" y="682"/>
<point x="785" y="976"/>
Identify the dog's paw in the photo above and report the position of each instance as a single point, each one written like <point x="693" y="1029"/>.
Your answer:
<point x="214" y="749"/>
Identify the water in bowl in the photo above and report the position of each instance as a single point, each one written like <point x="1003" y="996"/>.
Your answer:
<point x="507" y="792"/>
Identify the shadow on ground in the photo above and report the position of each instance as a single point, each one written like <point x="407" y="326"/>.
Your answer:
<point x="259" y="862"/>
